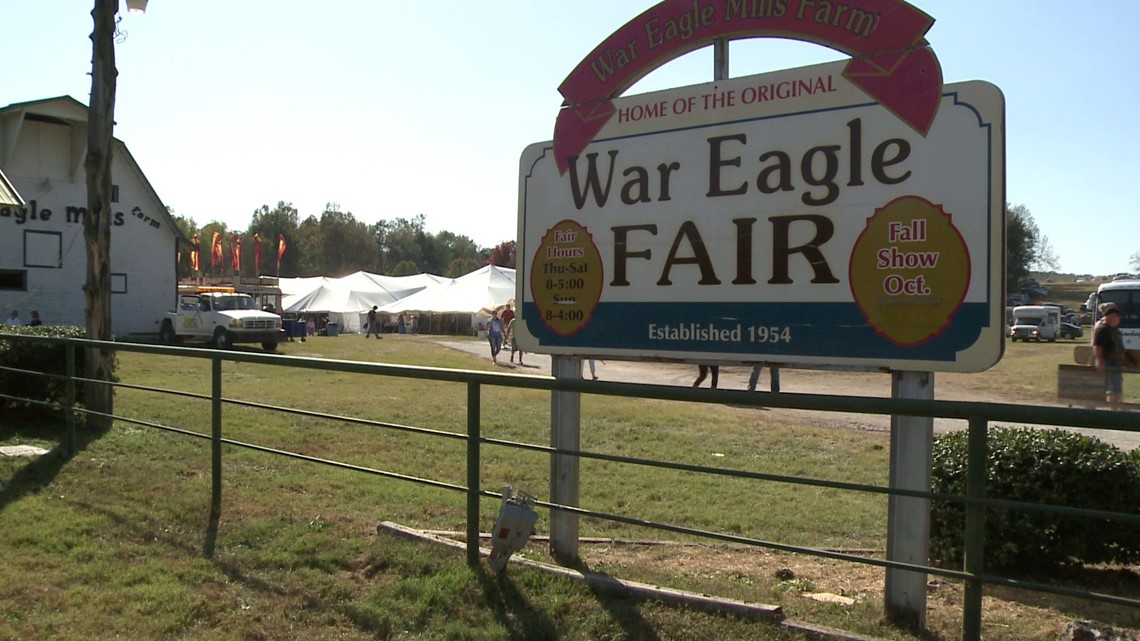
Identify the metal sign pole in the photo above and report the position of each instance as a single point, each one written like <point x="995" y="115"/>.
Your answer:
<point x="720" y="59"/>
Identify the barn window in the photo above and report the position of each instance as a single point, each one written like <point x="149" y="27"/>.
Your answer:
<point x="14" y="279"/>
<point x="43" y="249"/>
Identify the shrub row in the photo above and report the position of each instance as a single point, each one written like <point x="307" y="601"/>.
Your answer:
<point x="38" y="357"/>
<point x="1054" y="467"/>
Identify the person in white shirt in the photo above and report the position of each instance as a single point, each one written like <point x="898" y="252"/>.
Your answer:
<point x="14" y="319"/>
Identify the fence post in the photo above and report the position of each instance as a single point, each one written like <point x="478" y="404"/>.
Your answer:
<point x="71" y="444"/>
<point x="974" y="547"/>
<point x="473" y="481"/>
<point x="216" y="439"/>
<point x="565" y="434"/>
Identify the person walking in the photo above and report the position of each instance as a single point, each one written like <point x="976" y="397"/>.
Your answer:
<point x="703" y="371"/>
<point x="754" y="378"/>
<point x="495" y="335"/>
<point x="511" y="337"/>
<point x="1108" y="352"/>
<point x="373" y="325"/>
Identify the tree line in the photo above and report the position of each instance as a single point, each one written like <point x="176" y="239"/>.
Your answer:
<point x="334" y="244"/>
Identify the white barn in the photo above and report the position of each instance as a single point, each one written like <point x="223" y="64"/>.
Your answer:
<point x="43" y="257"/>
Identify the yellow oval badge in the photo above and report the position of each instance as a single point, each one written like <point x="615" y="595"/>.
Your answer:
<point x="566" y="278"/>
<point x="910" y="269"/>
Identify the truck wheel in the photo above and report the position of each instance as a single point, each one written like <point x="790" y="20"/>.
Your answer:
<point x="166" y="335"/>
<point x="222" y="339"/>
<point x="269" y="346"/>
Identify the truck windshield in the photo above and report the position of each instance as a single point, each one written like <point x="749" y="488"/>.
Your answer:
<point x="230" y="303"/>
<point x="1026" y="321"/>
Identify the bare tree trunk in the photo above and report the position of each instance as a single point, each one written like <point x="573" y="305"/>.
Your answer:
<point x="97" y="221"/>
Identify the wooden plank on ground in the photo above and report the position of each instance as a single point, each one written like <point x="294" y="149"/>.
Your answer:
<point x="609" y="584"/>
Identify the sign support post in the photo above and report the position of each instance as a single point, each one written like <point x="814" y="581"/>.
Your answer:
<point x="565" y="433"/>
<point x="908" y="518"/>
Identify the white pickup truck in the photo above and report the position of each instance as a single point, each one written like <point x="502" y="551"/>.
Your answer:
<point x="224" y="318"/>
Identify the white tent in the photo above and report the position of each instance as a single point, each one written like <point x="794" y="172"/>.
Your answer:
<point x="343" y="306"/>
<point x="347" y="300"/>
<point x="483" y="289"/>
<point x="296" y="287"/>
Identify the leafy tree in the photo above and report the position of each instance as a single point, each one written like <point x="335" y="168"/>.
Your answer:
<point x="1134" y="260"/>
<point x="398" y="241"/>
<point x="461" y="266"/>
<point x="208" y="268"/>
<point x="310" y="257"/>
<point x="1026" y="248"/>
<point x="503" y="254"/>
<point x="457" y="247"/>
<point x="271" y="224"/>
<point x="188" y="228"/>
<point x="405" y="268"/>
<point x="344" y="243"/>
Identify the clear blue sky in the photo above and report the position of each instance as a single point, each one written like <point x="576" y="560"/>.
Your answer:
<point x="394" y="109"/>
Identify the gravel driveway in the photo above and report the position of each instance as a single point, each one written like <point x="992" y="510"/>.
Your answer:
<point x="791" y="380"/>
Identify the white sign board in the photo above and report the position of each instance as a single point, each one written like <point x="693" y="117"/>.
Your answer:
<point x="785" y="218"/>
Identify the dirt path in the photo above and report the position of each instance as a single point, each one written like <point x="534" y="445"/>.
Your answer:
<point x="951" y="387"/>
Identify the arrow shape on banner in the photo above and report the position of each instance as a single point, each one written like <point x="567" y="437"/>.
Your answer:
<point x="892" y="62"/>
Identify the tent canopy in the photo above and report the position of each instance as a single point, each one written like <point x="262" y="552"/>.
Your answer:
<point x="483" y="289"/>
<point x="353" y="293"/>
<point x="346" y="300"/>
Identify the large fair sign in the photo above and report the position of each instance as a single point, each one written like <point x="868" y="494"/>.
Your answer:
<point x="824" y="216"/>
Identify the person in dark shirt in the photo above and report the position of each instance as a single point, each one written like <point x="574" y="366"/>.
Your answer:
<point x="1108" y="352"/>
<point x="373" y="323"/>
<point x="36" y="321"/>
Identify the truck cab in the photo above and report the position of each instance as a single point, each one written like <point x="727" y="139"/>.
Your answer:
<point x="1035" y="322"/>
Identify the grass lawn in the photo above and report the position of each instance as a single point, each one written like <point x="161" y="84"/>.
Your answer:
<point x="111" y="542"/>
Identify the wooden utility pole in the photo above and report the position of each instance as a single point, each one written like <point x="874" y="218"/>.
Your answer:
<point x="97" y="220"/>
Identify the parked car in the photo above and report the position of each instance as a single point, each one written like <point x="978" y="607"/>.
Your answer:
<point x="1071" y="330"/>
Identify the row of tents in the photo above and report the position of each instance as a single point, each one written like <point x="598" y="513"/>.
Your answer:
<point x="347" y="300"/>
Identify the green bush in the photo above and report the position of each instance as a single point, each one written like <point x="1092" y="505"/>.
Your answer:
<point x="1053" y="467"/>
<point x="38" y="357"/>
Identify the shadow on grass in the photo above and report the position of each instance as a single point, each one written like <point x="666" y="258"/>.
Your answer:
<point x="1115" y="581"/>
<point x="622" y="609"/>
<point x="41" y="471"/>
<point x="513" y="611"/>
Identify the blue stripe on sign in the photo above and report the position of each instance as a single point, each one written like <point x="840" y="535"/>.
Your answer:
<point x="769" y="329"/>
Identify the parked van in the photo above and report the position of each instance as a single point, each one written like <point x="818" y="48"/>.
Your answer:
<point x="1035" y="322"/>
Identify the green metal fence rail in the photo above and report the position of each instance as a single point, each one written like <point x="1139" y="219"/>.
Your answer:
<point x="977" y="415"/>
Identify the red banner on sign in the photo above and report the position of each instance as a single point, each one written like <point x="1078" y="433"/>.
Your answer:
<point x="892" y="61"/>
